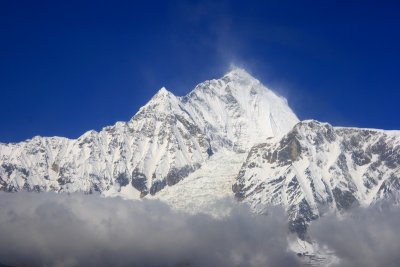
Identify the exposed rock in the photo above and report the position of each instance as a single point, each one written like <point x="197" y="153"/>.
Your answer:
<point x="139" y="181"/>
<point x="122" y="179"/>
<point x="344" y="199"/>
<point x="316" y="168"/>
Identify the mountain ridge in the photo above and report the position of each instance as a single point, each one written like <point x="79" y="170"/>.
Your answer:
<point x="227" y="138"/>
<point x="167" y="139"/>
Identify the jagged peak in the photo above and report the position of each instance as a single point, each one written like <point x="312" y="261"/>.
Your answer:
<point x="162" y="101"/>
<point x="162" y="92"/>
<point x="237" y="73"/>
<point x="163" y="95"/>
<point x="237" y="76"/>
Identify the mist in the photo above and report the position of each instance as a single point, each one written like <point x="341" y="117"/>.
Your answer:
<point x="363" y="237"/>
<point x="49" y="229"/>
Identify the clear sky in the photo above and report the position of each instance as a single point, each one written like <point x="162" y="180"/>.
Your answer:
<point x="70" y="66"/>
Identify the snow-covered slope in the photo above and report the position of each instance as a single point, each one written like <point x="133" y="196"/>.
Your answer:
<point x="228" y="138"/>
<point x="237" y="111"/>
<point x="167" y="140"/>
<point x="317" y="168"/>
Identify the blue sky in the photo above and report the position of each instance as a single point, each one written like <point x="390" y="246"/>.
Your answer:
<point x="70" y="66"/>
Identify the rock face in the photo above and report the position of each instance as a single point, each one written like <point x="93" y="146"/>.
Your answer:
<point x="168" y="139"/>
<point x="317" y="168"/>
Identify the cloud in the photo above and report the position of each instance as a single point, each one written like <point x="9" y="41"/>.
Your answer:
<point x="50" y="229"/>
<point x="364" y="237"/>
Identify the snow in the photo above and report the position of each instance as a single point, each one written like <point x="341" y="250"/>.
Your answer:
<point x="202" y="189"/>
<point x="320" y="168"/>
<point x="241" y="108"/>
<point x="232" y="113"/>
<point x="240" y="121"/>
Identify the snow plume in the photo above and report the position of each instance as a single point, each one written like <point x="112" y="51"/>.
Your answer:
<point x="50" y="229"/>
<point x="364" y="237"/>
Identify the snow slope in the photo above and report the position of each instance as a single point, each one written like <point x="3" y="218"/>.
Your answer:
<point x="167" y="140"/>
<point x="317" y="168"/>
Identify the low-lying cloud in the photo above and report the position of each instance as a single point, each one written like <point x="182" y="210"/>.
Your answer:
<point x="364" y="237"/>
<point x="50" y="229"/>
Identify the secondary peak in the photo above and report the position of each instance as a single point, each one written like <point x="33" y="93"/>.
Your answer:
<point x="163" y="91"/>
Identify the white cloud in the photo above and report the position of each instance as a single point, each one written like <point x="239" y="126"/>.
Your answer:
<point x="49" y="229"/>
<point x="364" y="237"/>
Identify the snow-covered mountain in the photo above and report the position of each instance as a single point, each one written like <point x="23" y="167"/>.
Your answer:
<point x="229" y="137"/>
<point x="316" y="168"/>
<point x="168" y="139"/>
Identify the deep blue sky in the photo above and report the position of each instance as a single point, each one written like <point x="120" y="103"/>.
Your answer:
<point x="70" y="66"/>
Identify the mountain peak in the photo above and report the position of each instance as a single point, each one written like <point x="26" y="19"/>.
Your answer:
<point x="162" y="101"/>
<point x="163" y="92"/>
<point x="162" y="95"/>
<point x="239" y="73"/>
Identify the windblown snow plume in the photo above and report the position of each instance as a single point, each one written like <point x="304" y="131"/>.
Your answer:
<point x="88" y="230"/>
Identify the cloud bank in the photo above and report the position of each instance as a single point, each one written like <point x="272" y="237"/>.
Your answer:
<point x="50" y="229"/>
<point x="364" y="237"/>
